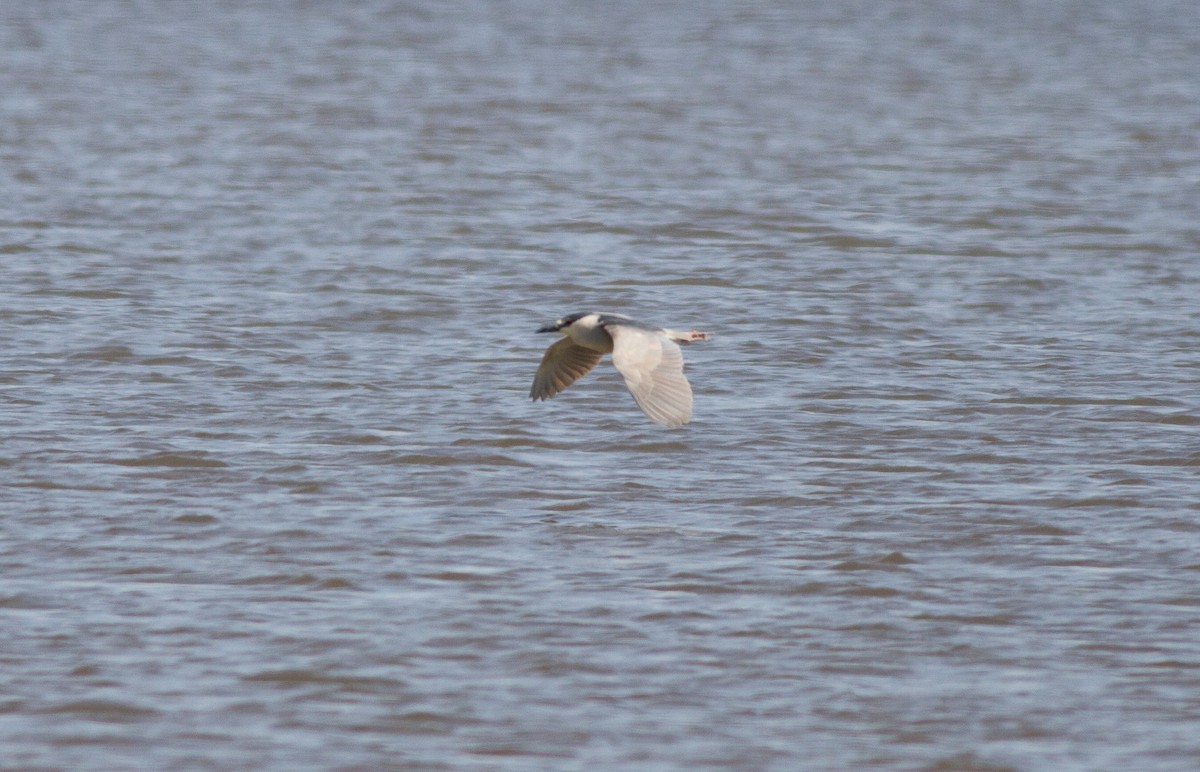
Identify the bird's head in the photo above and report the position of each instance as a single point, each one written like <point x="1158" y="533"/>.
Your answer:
<point x="561" y="325"/>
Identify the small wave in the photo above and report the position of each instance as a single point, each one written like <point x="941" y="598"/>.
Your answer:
<point x="102" y="710"/>
<point x="172" y="460"/>
<point x="105" y="354"/>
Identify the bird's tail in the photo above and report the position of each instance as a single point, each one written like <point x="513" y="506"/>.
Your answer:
<point x="688" y="337"/>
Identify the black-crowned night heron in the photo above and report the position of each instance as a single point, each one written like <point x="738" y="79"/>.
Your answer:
<point x="648" y="357"/>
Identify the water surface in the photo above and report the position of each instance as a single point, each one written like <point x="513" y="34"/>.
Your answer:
<point x="274" y="495"/>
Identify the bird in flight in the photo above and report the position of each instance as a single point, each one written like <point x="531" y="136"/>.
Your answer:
<point x="648" y="358"/>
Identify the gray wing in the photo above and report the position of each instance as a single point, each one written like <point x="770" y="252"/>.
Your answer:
<point x="652" y="366"/>
<point x="563" y="364"/>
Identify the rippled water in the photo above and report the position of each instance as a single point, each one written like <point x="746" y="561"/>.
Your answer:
<point x="274" y="495"/>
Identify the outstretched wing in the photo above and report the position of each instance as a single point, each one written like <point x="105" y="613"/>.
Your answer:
<point x="652" y="366"/>
<point x="563" y="364"/>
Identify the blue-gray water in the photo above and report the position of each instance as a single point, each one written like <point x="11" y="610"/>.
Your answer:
<point x="274" y="495"/>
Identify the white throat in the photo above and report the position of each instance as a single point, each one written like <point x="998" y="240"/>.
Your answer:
<point x="587" y="332"/>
